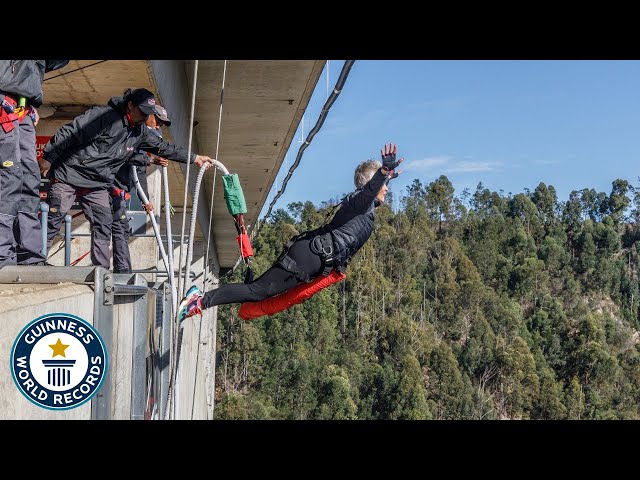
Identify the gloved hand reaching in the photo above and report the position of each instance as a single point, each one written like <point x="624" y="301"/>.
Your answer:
<point x="389" y="162"/>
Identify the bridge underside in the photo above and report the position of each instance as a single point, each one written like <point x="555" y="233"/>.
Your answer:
<point x="263" y="103"/>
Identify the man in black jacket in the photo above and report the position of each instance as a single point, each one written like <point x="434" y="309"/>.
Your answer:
<point x="121" y="192"/>
<point x="20" y="94"/>
<point x="315" y="252"/>
<point x="83" y="157"/>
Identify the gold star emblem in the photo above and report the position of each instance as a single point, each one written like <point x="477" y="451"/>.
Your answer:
<point x="58" y="348"/>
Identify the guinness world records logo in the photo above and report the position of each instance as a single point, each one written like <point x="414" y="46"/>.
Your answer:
<point x="58" y="361"/>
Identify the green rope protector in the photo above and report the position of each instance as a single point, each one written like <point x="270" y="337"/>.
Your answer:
<point x="233" y="194"/>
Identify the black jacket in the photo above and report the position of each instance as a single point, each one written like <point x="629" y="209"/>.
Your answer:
<point x="24" y="77"/>
<point x="124" y="179"/>
<point x="89" y="151"/>
<point x="352" y="224"/>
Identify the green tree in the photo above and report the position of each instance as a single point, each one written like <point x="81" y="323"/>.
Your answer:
<point x="411" y="403"/>
<point x="334" y="399"/>
<point x="518" y="382"/>
<point x="618" y="200"/>
<point x="439" y="199"/>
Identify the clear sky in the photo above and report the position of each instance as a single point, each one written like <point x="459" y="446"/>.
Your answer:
<point x="509" y="124"/>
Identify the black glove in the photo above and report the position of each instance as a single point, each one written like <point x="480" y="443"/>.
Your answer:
<point x="389" y="161"/>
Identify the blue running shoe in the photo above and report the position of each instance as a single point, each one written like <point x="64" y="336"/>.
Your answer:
<point x="191" y="304"/>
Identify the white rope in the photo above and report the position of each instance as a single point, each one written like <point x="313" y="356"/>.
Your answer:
<point x="175" y="325"/>
<point x="206" y="256"/>
<point x="156" y="230"/>
<point x="167" y="217"/>
<point x="196" y="194"/>
<point x="192" y="229"/>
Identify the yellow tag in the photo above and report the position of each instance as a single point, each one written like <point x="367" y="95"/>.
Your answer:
<point x="53" y="209"/>
<point x="7" y="164"/>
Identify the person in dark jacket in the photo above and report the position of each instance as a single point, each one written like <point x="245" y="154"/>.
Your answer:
<point x="20" y="95"/>
<point x="123" y="184"/>
<point x="83" y="157"/>
<point x="315" y="252"/>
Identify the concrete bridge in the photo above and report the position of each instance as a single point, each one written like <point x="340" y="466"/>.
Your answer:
<point x="263" y="104"/>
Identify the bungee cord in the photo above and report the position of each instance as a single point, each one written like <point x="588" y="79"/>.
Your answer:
<point x="175" y="324"/>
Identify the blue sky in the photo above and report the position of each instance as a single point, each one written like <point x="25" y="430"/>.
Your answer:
<point x="509" y="124"/>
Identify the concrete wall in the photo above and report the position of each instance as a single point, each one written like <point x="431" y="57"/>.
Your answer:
<point x="19" y="305"/>
<point x="121" y="360"/>
<point x="128" y="327"/>
<point x="129" y="313"/>
<point x="195" y="376"/>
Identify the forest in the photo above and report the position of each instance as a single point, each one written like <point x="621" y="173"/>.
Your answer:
<point x="477" y="306"/>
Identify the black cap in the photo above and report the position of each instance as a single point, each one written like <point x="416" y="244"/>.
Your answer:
<point x="144" y="99"/>
<point x="161" y="113"/>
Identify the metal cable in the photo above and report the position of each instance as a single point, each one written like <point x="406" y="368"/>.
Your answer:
<point x="186" y="182"/>
<point x="175" y="324"/>
<point x="74" y="70"/>
<point x="213" y="188"/>
<point x="344" y="73"/>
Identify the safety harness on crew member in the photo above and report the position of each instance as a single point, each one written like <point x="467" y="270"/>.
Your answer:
<point x="13" y="110"/>
<point x="80" y="191"/>
<point x="119" y="192"/>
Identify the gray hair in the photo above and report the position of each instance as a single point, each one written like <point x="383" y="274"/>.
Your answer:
<point x="364" y="172"/>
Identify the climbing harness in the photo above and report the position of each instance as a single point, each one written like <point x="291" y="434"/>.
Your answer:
<point x="14" y="110"/>
<point x="320" y="244"/>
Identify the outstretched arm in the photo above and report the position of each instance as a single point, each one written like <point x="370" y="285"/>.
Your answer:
<point x="362" y="199"/>
<point x="156" y="145"/>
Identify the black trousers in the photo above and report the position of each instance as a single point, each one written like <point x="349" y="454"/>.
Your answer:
<point x="120" y="233"/>
<point x="20" y="231"/>
<point x="272" y="282"/>
<point x="96" y="205"/>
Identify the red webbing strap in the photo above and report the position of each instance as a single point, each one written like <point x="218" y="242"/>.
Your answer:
<point x="243" y="239"/>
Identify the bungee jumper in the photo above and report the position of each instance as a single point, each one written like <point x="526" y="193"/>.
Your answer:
<point x="312" y="260"/>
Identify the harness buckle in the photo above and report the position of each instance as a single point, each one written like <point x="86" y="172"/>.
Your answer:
<point x="8" y="103"/>
<point x="322" y="245"/>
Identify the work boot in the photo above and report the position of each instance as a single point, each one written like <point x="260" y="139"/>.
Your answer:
<point x="191" y="304"/>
